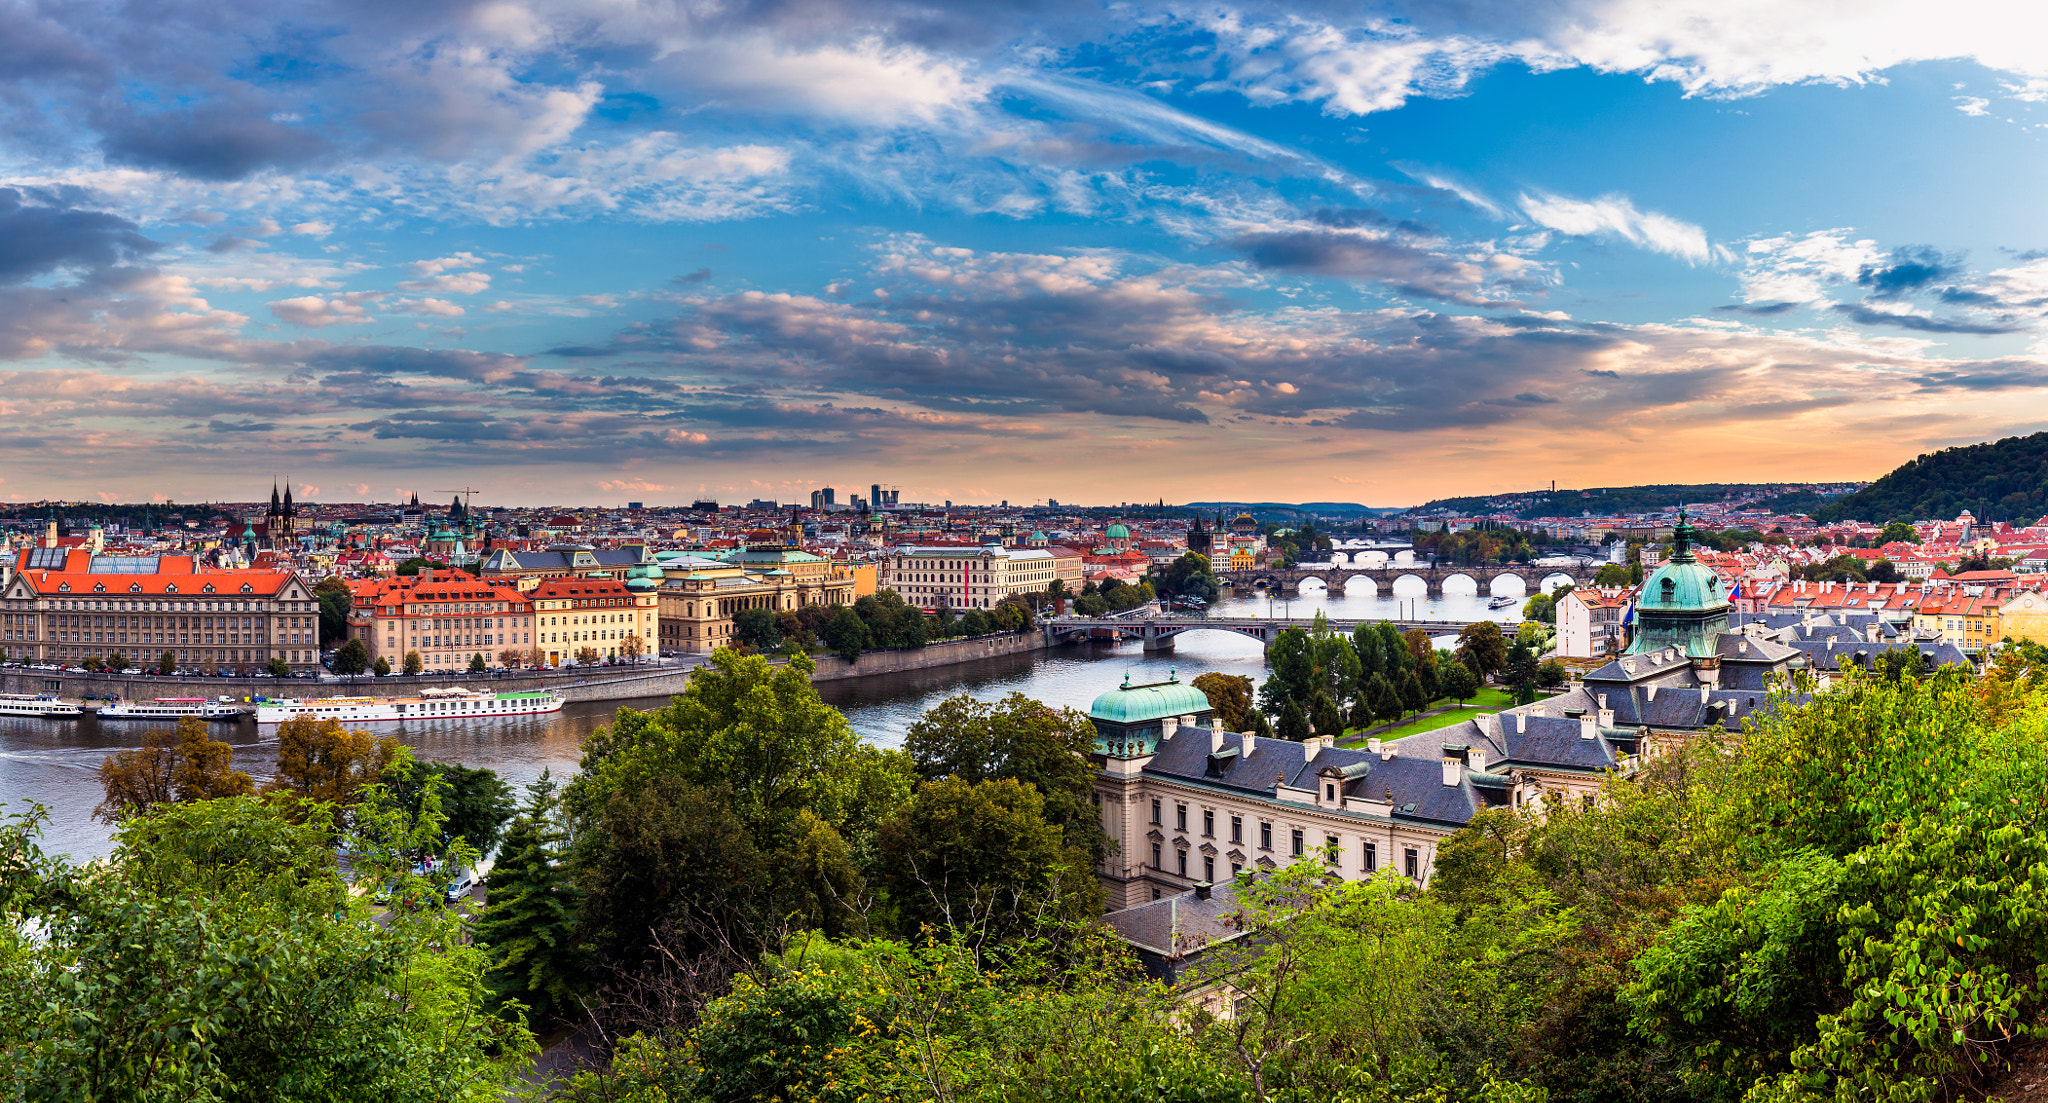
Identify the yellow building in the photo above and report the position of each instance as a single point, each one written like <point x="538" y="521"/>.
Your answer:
<point x="1241" y="559"/>
<point x="700" y="595"/>
<point x="616" y="618"/>
<point x="1971" y="622"/>
<point x="2025" y="617"/>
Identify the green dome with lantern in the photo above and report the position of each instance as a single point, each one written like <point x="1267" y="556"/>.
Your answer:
<point x="1682" y="604"/>
<point x="644" y="577"/>
<point x="1130" y="719"/>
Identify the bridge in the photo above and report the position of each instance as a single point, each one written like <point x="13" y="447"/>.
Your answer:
<point x="1337" y="577"/>
<point x="1159" y="630"/>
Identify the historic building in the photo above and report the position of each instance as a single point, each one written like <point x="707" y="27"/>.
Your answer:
<point x="963" y="578"/>
<point x="64" y="605"/>
<point x="700" y="594"/>
<point x="565" y="561"/>
<point x="616" y="618"/>
<point x="446" y="616"/>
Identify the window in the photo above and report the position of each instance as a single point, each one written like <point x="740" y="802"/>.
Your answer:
<point x="1237" y="829"/>
<point x="1181" y="860"/>
<point x="1208" y="823"/>
<point x="1265" y="835"/>
<point x="1294" y="842"/>
<point x="1332" y="848"/>
<point x="1330" y="791"/>
<point x="1409" y="857"/>
<point x="1157" y="864"/>
<point x="1236" y="868"/>
<point x="1208" y="868"/>
<point x="1180" y="817"/>
<point x="1371" y="857"/>
<point x="1155" y="810"/>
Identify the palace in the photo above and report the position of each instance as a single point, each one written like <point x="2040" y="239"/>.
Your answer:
<point x="700" y="594"/>
<point x="446" y="616"/>
<point x="65" y="605"/>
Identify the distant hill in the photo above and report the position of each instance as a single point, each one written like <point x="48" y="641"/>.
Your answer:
<point x="1321" y="509"/>
<point x="2004" y="480"/>
<point x="1601" y="501"/>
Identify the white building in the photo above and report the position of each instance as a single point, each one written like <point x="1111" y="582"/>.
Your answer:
<point x="967" y="578"/>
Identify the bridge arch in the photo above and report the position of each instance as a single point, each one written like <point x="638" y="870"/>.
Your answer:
<point x="1458" y="582"/>
<point x="1508" y="584"/>
<point x="1312" y="582"/>
<point x="1410" y="585"/>
<point x="1552" y="581"/>
<point x="1362" y="584"/>
<point x="1404" y="558"/>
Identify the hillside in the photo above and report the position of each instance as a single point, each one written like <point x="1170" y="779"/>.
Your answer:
<point x="2004" y="480"/>
<point x="1601" y="501"/>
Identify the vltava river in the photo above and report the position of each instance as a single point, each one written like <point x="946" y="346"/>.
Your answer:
<point x="52" y="762"/>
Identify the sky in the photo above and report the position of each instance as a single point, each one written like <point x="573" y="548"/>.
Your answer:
<point x="596" y="251"/>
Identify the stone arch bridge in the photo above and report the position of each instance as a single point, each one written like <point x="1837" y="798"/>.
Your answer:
<point x="1160" y="629"/>
<point x="1383" y="578"/>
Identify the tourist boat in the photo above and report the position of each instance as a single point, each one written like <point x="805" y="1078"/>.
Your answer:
<point x="431" y="704"/>
<point x="36" y="704"/>
<point x="169" y="708"/>
<point x="1500" y="603"/>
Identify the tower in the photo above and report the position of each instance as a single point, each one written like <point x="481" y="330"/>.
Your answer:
<point x="1682" y="605"/>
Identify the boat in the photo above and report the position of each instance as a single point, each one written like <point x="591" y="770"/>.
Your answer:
<point x="169" y="708"/>
<point x="1500" y="603"/>
<point x="431" y="704"/>
<point x="36" y="704"/>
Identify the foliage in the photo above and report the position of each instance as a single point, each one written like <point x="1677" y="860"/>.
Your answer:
<point x="1017" y="739"/>
<point x="846" y="633"/>
<point x="475" y="801"/>
<point x="332" y="594"/>
<point x="220" y="956"/>
<point x="382" y="669"/>
<point x="1457" y="681"/>
<point x="172" y="765"/>
<point x="981" y="860"/>
<point x="1901" y="532"/>
<point x="1540" y="608"/>
<point x="1619" y="574"/>
<point x="477" y="664"/>
<point x="2001" y="479"/>
<point x="757" y="628"/>
<point x="1230" y="695"/>
<point x="319" y="761"/>
<point x="1293" y="724"/>
<point x="167" y="662"/>
<point x="277" y="667"/>
<point x="1482" y="648"/>
<point x="351" y="658"/>
<point x="891" y="622"/>
<point x="414" y="663"/>
<point x="1190" y="576"/>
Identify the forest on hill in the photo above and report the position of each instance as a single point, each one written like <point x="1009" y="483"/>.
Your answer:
<point x="1604" y="500"/>
<point x="2003" y="480"/>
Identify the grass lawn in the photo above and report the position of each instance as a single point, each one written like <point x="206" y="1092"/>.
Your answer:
<point x="1488" y="699"/>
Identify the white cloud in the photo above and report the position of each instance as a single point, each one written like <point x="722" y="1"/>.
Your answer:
<point x="313" y="229"/>
<point x="1616" y="215"/>
<point x="439" y="265"/>
<point x="454" y="283"/>
<point x="1799" y="268"/>
<point x="1972" y="105"/>
<point x="314" y="312"/>
<point x="436" y="308"/>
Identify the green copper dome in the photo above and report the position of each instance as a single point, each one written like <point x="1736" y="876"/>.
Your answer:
<point x="1682" y="604"/>
<point x="1118" y="532"/>
<point x="1148" y="704"/>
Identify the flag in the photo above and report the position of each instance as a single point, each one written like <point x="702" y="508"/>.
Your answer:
<point x="1628" y="615"/>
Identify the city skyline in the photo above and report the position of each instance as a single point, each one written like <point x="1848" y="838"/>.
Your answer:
<point x="1299" y="252"/>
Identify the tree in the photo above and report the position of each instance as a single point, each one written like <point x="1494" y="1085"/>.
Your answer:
<point x="1614" y="574"/>
<point x="414" y="663"/>
<point x="277" y="667"/>
<point x="474" y="801"/>
<point x="756" y="628"/>
<point x="1324" y="716"/>
<point x="1482" y="648"/>
<point x="477" y="664"/>
<point x="1293" y="721"/>
<point x="334" y="599"/>
<point x="93" y="663"/>
<point x="537" y="658"/>
<point x="1898" y="532"/>
<point x="980" y="859"/>
<point x="1385" y="699"/>
<point x="383" y="667"/>
<point x="167" y="663"/>
<point x="1541" y="608"/>
<point x="846" y="634"/>
<point x="319" y="760"/>
<point x="529" y="930"/>
<point x="181" y="764"/>
<point x="1230" y="695"/>
<point x="632" y="647"/>
<point x="1552" y="674"/>
<point x="1520" y="671"/>
<point x="1457" y="681"/>
<point x="1190" y="576"/>
<point x="352" y="658"/>
<point x="117" y="661"/>
<point x="586" y="656"/>
<point x="229" y="960"/>
<point x="1018" y="739"/>
<point x="509" y="658"/>
<point x="1413" y="699"/>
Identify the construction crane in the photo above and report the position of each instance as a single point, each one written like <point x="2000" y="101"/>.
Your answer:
<point x="465" y="491"/>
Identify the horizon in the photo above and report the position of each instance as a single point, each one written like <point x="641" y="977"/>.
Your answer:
<point x="1082" y="251"/>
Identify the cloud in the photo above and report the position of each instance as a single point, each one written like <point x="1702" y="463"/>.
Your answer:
<point x="455" y="283"/>
<point x="438" y="265"/>
<point x="637" y="485"/>
<point x="212" y="142"/>
<point x="434" y="308"/>
<point x="1393" y="259"/>
<point x="1972" y="105"/>
<point x="1615" y="215"/>
<point x="41" y="233"/>
<point x="1908" y="269"/>
<point x="314" y="312"/>
<point x="1858" y="312"/>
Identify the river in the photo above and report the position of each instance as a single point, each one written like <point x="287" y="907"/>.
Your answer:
<point x="52" y="762"/>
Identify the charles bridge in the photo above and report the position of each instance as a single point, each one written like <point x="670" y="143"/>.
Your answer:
<point x="1159" y="629"/>
<point x="1337" y="577"/>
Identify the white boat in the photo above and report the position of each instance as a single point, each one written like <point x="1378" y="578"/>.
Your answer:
<point x="169" y="708"/>
<point x="1500" y="603"/>
<point x="36" y="704"/>
<point x="431" y="704"/>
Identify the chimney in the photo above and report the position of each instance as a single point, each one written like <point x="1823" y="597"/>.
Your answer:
<point x="1167" y="727"/>
<point x="1310" y="747"/>
<point x="1603" y="701"/>
<point x="1373" y="745"/>
<point x="1477" y="759"/>
<point x="1202" y="890"/>
<point x="1215" y="741"/>
<point x="1651" y="691"/>
<point x="1521" y="723"/>
<point x="1251" y="743"/>
<point x="1454" y="763"/>
<point x="1606" y="714"/>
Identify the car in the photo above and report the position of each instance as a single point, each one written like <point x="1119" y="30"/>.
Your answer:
<point x="463" y="883"/>
<point x="132" y="670"/>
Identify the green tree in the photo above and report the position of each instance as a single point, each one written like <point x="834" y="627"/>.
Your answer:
<point x="1293" y="723"/>
<point x="277" y="667"/>
<point x="1385" y="699"/>
<point x="167" y="663"/>
<point x="1230" y="695"/>
<point x="319" y="760"/>
<point x="1458" y="681"/>
<point x="757" y="628"/>
<point x="475" y="802"/>
<point x="477" y="664"/>
<point x="1190" y="576"/>
<point x="414" y="663"/>
<point x="1413" y="698"/>
<point x="333" y="596"/>
<point x="181" y="764"/>
<point x="352" y="658"/>
<point x="1616" y="574"/>
<point x="383" y="667"/>
<point x="1899" y="532"/>
<point x="529" y="928"/>
<point x="1018" y="739"/>
<point x="1540" y="608"/>
<point x="981" y="860"/>
<point x="221" y="955"/>
<point x="117" y="661"/>
<point x="1482" y="648"/>
<point x="1324" y="716"/>
<point x="846" y="633"/>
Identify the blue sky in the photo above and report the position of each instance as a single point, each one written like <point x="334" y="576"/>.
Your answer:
<point x="602" y="250"/>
